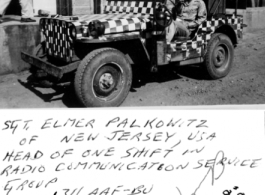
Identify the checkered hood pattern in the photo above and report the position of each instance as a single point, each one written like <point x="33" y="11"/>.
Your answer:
<point x="122" y="16"/>
<point x="136" y="7"/>
<point x="201" y="39"/>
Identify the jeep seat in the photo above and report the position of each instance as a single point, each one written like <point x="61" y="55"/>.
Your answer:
<point x="182" y="38"/>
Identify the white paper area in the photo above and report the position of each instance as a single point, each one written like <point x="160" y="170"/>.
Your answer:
<point x="237" y="136"/>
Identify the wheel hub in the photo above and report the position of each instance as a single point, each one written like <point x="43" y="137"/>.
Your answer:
<point x="220" y="57"/>
<point x="106" y="81"/>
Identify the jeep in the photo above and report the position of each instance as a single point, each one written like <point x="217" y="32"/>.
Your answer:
<point x="99" y="51"/>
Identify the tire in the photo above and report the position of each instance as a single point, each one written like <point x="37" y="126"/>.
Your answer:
<point x="103" y="78"/>
<point x="219" y="57"/>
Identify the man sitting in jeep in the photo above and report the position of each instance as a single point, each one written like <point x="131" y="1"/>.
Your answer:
<point x="187" y="16"/>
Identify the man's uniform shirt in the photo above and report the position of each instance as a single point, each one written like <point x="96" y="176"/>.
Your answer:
<point x="192" y="12"/>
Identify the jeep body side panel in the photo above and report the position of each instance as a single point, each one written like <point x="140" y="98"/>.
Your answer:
<point x="111" y="38"/>
<point x="197" y="46"/>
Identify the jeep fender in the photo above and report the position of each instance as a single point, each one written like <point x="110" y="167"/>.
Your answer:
<point x="134" y="50"/>
<point x="229" y="31"/>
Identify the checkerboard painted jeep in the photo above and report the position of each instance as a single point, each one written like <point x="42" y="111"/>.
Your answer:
<point x="100" y="50"/>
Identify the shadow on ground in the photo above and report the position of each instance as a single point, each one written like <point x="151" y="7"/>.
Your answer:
<point x="196" y="72"/>
<point x="168" y="73"/>
<point x="66" y="94"/>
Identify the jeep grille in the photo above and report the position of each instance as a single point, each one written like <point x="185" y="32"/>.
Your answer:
<point x="59" y="43"/>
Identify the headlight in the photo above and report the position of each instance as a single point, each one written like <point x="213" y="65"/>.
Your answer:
<point x="73" y="32"/>
<point x="96" y="28"/>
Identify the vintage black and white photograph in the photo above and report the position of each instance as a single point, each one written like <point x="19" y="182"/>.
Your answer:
<point x="130" y="53"/>
<point x="146" y="59"/>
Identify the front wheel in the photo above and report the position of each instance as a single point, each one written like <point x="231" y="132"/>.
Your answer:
<point x="219" y="57"/>
<point x="103" y="78"/>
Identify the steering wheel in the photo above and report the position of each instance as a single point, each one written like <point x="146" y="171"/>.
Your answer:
<point x="163" y="16"/>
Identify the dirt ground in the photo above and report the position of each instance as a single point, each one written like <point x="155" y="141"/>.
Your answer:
<point x="172" y="86"/>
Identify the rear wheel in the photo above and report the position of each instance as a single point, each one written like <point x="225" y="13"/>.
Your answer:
<point x="103" y="78"/>
<point x="219" y="57"/>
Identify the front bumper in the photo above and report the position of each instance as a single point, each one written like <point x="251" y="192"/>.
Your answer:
<point x="48" y="67"/>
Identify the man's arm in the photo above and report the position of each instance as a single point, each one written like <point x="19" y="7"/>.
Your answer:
<point x="201" y="15"/>
<point x="176" y="9"/>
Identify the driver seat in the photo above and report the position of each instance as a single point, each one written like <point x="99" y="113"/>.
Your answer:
<point x="182" y="38"/>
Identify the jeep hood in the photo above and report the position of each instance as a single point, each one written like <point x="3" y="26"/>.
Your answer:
<point x="115" y="22"/>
